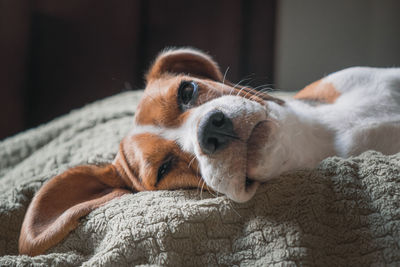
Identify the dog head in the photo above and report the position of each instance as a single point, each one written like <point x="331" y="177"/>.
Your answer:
<point x="191" y="127"/>
<point x="199" y="126"/>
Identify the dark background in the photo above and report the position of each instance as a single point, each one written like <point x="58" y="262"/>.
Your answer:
<point x="59" y="55"/>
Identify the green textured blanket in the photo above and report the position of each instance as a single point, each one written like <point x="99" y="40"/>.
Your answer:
<point x="345" y="212"/>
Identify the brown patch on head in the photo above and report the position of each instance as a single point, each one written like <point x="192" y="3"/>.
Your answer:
<point x="141" y="156"/>
<point x="319" y="91"/>
<point x="159" y="106"/>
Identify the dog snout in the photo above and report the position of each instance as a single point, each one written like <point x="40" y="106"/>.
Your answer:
<point x="215" y="132"/>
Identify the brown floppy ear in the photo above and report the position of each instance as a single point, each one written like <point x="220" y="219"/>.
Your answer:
<point x="62" y="201"/>
<point x="184" y="60"/>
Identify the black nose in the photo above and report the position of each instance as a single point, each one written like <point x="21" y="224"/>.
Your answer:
<point x="215" y="132"/>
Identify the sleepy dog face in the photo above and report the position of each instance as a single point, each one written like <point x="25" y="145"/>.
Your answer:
<point x="192" y="127"/>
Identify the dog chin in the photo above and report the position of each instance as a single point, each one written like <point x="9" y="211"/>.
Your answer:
<point x="233" y="173"/>
<point x="256" y="144"/>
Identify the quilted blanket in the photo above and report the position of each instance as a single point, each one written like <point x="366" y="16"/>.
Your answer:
<point x="346" y="212"/>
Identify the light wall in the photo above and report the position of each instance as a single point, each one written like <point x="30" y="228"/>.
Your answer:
<point x="317" y="37"/>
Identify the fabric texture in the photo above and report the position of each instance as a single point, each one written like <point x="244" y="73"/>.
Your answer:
<point x="346" y="212"/>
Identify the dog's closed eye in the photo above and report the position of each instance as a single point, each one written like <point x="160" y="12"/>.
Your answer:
<point x="164" y="169"/>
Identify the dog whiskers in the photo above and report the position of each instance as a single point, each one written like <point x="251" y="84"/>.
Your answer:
<point x="191" y="161"/>
<point x="201" y="180"/>
<point x="263" y="86"/>
<point x="199" y="188"/>
<point x="240" y="91"/>
<point x="243" y="80"/>
<point x="202" y="189"/>
<point x="231" y="91"/>
<point x="226" y="72"/>
<point x="233" y="208"/>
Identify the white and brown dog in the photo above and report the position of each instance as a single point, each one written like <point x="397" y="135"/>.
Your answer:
<point x="192" y="127"/>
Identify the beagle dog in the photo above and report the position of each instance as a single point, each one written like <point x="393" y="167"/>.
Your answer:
<point x="193" y="127"/>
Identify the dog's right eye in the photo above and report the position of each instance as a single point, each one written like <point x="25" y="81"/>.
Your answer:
<point x="187" y="94"/>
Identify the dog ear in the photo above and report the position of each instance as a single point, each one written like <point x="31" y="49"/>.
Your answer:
<point x="62" y="201"/>
<point x="184" y="60"/>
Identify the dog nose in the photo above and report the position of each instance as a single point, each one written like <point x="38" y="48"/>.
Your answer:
<point x="215" y="132"/>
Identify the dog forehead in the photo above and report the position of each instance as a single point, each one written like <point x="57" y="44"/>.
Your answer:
<point x="159" y="104"/>
<point x="158" y="86"/>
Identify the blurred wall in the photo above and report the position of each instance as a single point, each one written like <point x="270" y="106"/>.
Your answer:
<point x="59" y="55"/>
<point x="315" y="38"/>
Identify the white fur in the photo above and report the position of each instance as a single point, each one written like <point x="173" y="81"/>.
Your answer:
<point x="299" y="140"/>
<point x="365" y="116"/>
<point x="370" y="103"/>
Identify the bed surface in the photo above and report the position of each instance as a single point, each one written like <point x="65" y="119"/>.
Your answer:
<point x="345" y="212"/>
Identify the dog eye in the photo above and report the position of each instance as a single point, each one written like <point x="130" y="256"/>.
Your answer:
<point x="163" y="170"/>
<point x="187" y="94"/>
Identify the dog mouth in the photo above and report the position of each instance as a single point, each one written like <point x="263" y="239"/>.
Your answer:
<point x="250" y="184"/>
<point x="245" y="189"/>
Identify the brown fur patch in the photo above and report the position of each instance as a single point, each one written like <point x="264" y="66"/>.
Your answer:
<point x="159" y="106"/>
<point x="319" y="91"/>
<point x="142" y="155"/>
